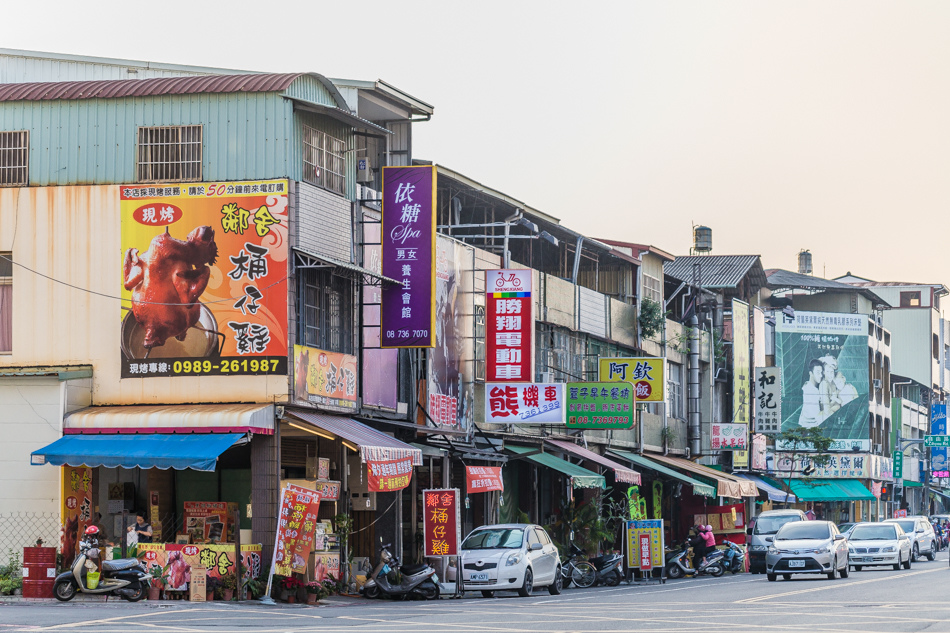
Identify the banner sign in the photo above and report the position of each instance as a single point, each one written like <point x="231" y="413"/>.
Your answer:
<point x="441" y="525"/>
<point x="483" y="478"/>
<point x="898" y="460"/>
<point x="653" y="530"/>
<point x="741" y="380"/>
<point x="326" y="379"/>
<point x="509" y="325"/>
<point x="408" y="237"/>
<point x="824" y="361"/>
<point x="647" y="375"/>
<point x="858" y="466"/>
<point x="527" y="403"/>
<point x="295" y="529"/>
<point x="938" y="426"/>
<point x="176" y="561"/>
<point x="329" y="490"/>
<point x="729" y="437"/>
<point x="759" y="447"/>
<point x="768" y="400"/>
<point x="644" y="550"/>
<point x="77" y="508"/>
<point x="204" y="275"/>
<point x="389" y="475"/>
<point x="600" y="405"/>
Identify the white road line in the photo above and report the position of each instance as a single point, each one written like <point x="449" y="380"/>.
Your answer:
<point x="825" y="587"/>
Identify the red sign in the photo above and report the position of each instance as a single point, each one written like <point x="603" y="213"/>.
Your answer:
<point x="643" y="548"/>
<point x="509" y="325"/>
<point x="443" y="409"/>
<point x="295" y="529"/>
<point x="644" y="389"/>
<point x="389" y="475"/>
<point x="157" y="214"/>
<point x="900" y="514"/>
<point x="483" y="478"/>
<point x="440" y="522"/>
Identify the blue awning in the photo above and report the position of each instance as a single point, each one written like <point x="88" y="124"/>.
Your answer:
<point x="198" y="451"/>
<point x="773" y="493"/>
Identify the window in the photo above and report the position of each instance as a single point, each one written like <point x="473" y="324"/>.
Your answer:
<point x="6" y="303"/>
<point x="675" y="385"/>
<point x="169" y="154"/>
<point x="532" y="538"/>
<point x="14" y="159"/>
<point x="326" y="310"/>
<point x="910" y="299"/>
<point x="652" y="289"/>
<point x="323" y="163"/>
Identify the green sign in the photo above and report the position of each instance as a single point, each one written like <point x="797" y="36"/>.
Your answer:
<point x="937" y="440"/>
<point x="600" y="405"/>
<point x="898" y="465"/>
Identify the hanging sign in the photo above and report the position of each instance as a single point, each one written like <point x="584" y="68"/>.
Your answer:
<point x="441" y="524"/>
<point x="483" y="478"/>
<point x="600" y="405"/>
<point x="389" y="475"/>
<point x="728" y="436"/>
<point x="508" y="326"/>
<point x="647" y="375"/>
<point x="768" y="399"/>
<point x="525" y="403"/>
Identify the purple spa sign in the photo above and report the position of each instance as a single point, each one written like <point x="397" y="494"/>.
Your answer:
<point x="408" y="313"/>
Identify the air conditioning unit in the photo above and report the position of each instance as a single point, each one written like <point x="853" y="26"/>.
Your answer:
<point x="877" y="384"/>
<point x="547" y="376"/>
<point x="364" y="171"/>
<point x="876" y="449"/>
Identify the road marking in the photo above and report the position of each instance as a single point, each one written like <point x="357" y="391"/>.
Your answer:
<point x="832" y="586"/>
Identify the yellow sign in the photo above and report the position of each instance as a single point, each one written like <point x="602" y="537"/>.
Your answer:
<point x="653" y="527"/>
<point x="648" y="376"/>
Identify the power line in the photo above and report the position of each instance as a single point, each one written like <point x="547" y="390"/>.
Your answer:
<point x="108" y="296"/>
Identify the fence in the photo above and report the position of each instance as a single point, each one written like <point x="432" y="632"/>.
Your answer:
<point x="24" y="529"/>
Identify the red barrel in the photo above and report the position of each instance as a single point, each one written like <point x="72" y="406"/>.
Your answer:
<point x="39" y="571"/>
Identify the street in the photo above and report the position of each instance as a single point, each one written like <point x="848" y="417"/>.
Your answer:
<point x="872" y="600"/>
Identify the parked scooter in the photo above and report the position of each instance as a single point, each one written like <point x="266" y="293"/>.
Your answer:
<point x="733" y="558"/>
<point x="391" y="579"/>
<point x="608" y="569"/>
<point x="677" y="563"/>
<point x="126" y="578"/>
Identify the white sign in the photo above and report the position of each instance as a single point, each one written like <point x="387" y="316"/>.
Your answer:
<point x="729" y="436"/>
<point x="855" y="466"/>
<point x="518" y="280"/>
<point x="822" y="323"/>
<point x="768" y="399"/>
<point x="524" y="403"/>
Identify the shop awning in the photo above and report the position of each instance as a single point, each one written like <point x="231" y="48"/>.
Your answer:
<point x="726" y="485"/>
<point x="177" y="418"/>
<point x="372" y="445"/>
<point x="831" y="490"/>
<point x="775" y="494"/>
<point x="154" y="450"/>
<point x="699" y="487"/>
<point x="621" y="474"/>
<point x="580" y="477"/>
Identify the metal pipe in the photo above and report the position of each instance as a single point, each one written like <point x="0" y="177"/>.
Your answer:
<point x="694" y="427"/>
<point x="506" y="256"/>
<point x="577" y="258"/>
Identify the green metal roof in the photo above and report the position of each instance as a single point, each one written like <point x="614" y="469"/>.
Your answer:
<point x="580" y="477"/>
<point x="700" y="488"/>
<point x="831" y="490"/>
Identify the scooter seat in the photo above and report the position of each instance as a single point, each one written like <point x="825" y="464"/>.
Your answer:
<point x="119" y="565"/>
<point x="597" y="561"/>
<point x="411" y="570"/>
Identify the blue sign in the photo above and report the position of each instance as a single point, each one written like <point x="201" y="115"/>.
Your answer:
<point x="938" y="426"/>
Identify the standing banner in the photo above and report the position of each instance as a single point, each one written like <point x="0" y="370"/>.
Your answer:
<point x="408" y="245"/>
<point x="768" y="400"/>
<point x="647" y="375"/>
<point x="741" y="379"/>
<point x="389" y="475"/>
<point x="938" y="454"/>
<point x="653" y="530"/>
<point x="509" y="326"/>
<point x="295" y="529"/>
<point x="483" y="479"/>
<point x="77" y="508"/>
<point x="600" y="405"/>
<point x="204" y="275"/>
<point x="526" y="403"/>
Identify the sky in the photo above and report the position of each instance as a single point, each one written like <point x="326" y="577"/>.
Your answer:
<point x="782" y="126"/>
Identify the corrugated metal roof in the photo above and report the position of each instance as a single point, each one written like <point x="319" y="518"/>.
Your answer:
<point x="779" y="279"/>
<point x="719" y="271"/>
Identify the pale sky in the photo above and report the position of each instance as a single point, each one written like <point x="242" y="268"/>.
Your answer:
<point x="808" y="124"/>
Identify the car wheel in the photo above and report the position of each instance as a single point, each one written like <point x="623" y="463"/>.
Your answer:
<point x="528" y="585"/>
<point x="858" y="568"/>
<point x="771" y="577"/>
<point x="488" y="594"/>
<point x="555" y="587"/>
<point x="915" y="553"/>
<point x="786" y="576"/>
<point x="834" y="570"/>
<point x="907" y="564"/>
<point x="845" y="571"/>
<point x="932" y="554"/>
<point x="897" y="566"/>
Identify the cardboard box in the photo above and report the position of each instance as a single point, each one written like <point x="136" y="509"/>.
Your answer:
<point x="198" y="586"/>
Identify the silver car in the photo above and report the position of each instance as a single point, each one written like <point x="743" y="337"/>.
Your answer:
<point x="872" y="544"/>
<point x="807" y="547"/>
<point x="922" y="537"/>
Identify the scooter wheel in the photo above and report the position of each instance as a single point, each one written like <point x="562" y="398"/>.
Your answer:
<point x="715" y="571"/>
<point x="613" y="579"/>
<point x="65" y="590"/>
<point x="674" y="572"/>
<point x="371" y="592"/>
<point x="138" y="595"/>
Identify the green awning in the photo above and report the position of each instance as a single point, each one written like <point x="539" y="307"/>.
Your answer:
<point x="912" y="484"/>
<point x="580" y="477"/>
<point x="699" y="487"/>
<point x="831" y="490"/>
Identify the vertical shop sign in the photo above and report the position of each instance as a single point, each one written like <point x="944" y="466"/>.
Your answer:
<point x="644" y="552"/>
<point x="531" y="403"/>
<point x="408" y="243"/>
<point x="741" y="381"/>
<point x="509" y="349"/>
<point x="441" y="525"/>
<point x="647" y="375"/>
<point x="768" y="400"/>
<point x="938" y="454"/>
<point x="295" y="529"/>
<point x="77" y="507"/>
<point x="653" y="530"/>
<point x="600" y="405"/>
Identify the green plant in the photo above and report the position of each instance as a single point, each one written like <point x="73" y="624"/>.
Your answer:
<point x="256" y="586"/>
<point x="807" y="446"/>
<point x="229" y="581"/>
<point x="343" y="524"/>
<point x="581" y="524"/>
<point x="651" y="317"/>
<point x="11" y="574"/>
<point x="668" y="435"/>
<point x="158" y="577"/>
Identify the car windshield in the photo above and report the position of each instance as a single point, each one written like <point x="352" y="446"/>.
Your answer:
<point x="907" y="526"/>
<point x="771" y="525"/>
<point x="873" y="533"/>
<point x="498" y="538"/>
<point x="803" y="530"/>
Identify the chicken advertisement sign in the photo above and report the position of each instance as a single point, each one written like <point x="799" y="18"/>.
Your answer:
<point x="204" y="271"/>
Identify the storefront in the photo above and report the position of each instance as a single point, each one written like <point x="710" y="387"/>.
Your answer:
<point x="837" y="500"/>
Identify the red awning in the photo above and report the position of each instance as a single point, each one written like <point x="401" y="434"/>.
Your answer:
<point x="621" y="473"/>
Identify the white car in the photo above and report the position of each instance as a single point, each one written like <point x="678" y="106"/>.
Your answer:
<point x="873" y="544"/>
<point x="922" y="536"/>
<point x="510" y="557"/>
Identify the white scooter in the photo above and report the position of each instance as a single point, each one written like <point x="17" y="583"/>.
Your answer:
<point x="126" y="578"/>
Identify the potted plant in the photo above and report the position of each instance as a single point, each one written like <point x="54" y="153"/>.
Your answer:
<point x="255" y="588"/>
<point x="228" y="585"/>
<point x="289" y="586"/>
<point x="158" y="583"/>
<point x="314" y="589"/>
<point x="212" y="587"/>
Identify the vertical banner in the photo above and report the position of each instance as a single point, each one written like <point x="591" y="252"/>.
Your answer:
<point x="77" y="508"/>
<point x="295" y="529"/>
<point x="441" y="524"/>
<point x="509" y="326"/>
<point x="644" y="550"/>
<point x="408" y="244"/>
<point x="741" y="379"/>
<point x="647" y="375"/>
<point x="768" y="400"/>
<point x="938" y="454"/>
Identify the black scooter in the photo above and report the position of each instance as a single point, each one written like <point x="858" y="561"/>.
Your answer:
<point x="391" y="579"/>
<point x="608" y="569"/>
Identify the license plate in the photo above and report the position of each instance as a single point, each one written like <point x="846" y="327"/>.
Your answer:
<point x="475" y="576"/>
<point x="796" y="563"/>
<point x="385" y="569"/>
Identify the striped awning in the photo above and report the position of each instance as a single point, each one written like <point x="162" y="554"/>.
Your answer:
<point x="172" y="418"/>
<point x="727" y="485"/>
<point x="621" y="473"/>
<point x="373" y="445"/>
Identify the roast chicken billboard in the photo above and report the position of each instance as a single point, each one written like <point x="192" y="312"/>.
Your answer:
<point x="204" y="279"/>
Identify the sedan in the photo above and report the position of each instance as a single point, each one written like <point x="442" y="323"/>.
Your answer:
<point x="807" y="547"/>
<point x="514" y="557"/>
<point x="873" y="544"/>
<point x="922" y="536"/>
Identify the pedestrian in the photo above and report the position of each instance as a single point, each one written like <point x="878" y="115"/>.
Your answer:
<point x="141" y="528"/>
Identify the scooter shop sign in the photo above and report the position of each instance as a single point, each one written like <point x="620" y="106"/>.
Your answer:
<point x="441" y="525"/>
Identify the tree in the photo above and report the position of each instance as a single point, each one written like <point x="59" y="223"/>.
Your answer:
<point x="800" y="443"/>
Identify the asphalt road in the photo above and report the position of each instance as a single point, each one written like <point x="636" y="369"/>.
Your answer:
<point x="870" y="600"/>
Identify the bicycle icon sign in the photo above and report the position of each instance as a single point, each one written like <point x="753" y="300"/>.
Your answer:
<point x="511" y="280"/>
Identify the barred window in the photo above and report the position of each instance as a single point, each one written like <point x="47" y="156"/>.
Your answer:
<point x="326" y="315"/>
<point x="323" y="160"/>
<point x="6" y="301"/>
<point x="14" y="159"/>
<point x="169" y="153"/>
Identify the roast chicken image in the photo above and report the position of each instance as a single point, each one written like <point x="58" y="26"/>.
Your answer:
<point x="166" y="282"/>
